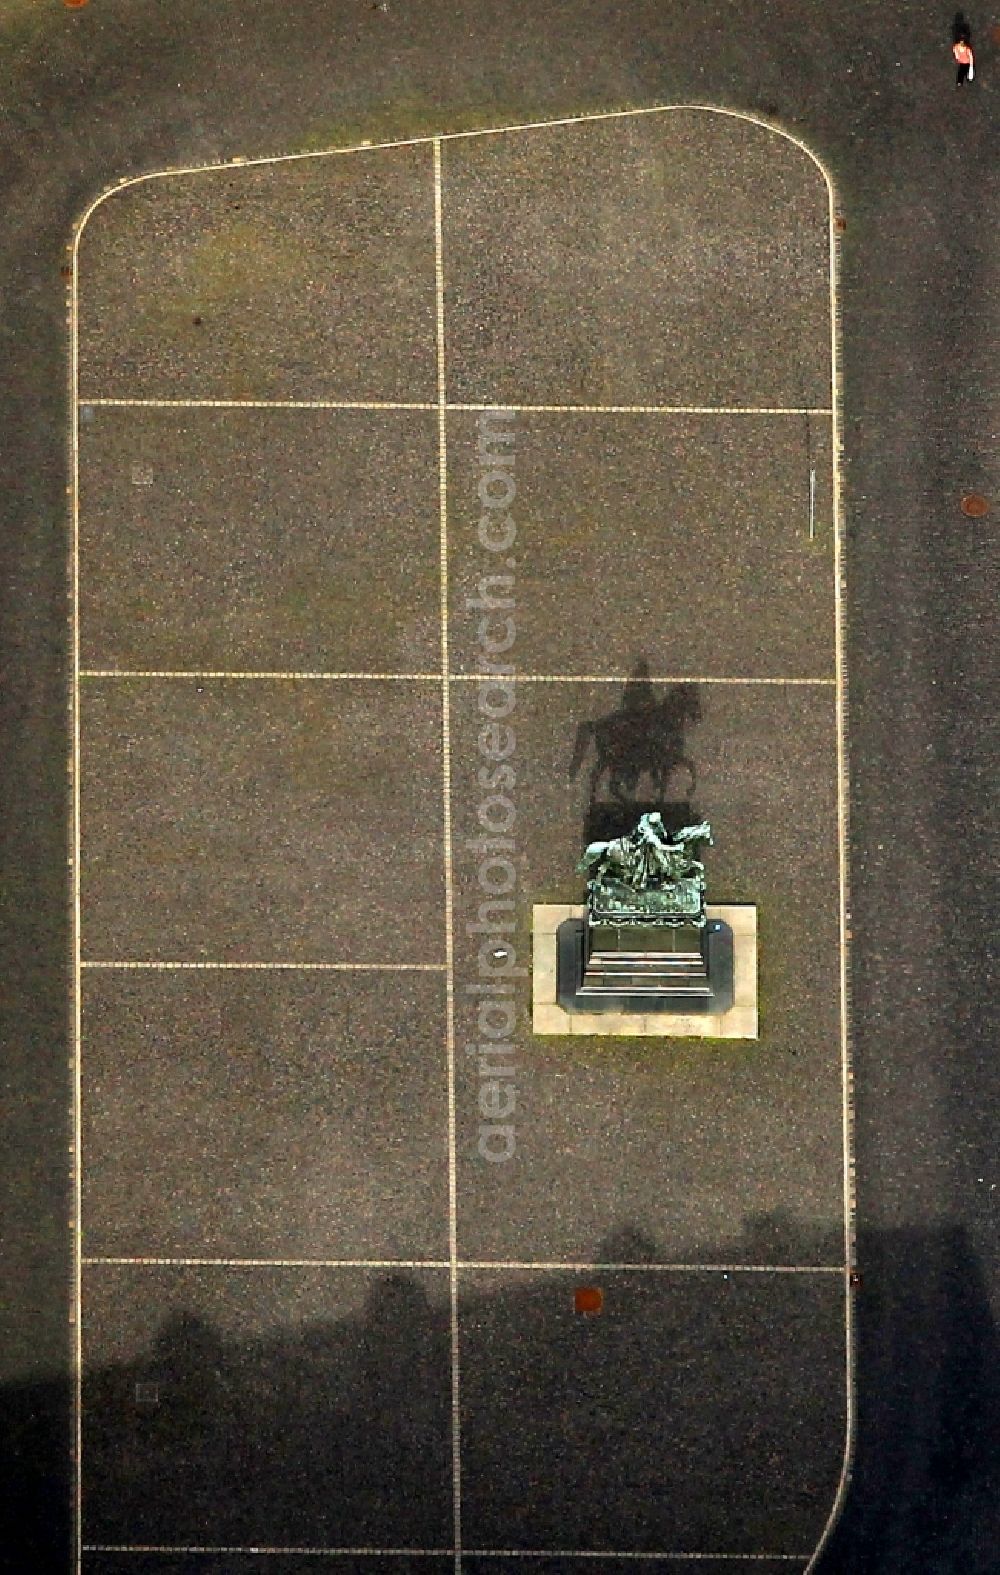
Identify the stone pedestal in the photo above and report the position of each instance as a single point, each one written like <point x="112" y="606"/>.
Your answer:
<point x="682" y="981"/>
<point x="644" y="967"/>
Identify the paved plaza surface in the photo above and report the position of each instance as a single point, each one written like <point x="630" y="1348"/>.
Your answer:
<point x="345" y="464"/>
<point x="204" y="1152"/>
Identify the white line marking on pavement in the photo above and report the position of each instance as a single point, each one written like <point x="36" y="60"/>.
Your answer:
<point x="256" y="1550"/>
<point x="263" y="675"/>
<point x="846" y="1072"/>
<point x="266" y="1263"/>
<point x="464" y="1265"/>
<point x="449" y="883"/>
<point x="603" y="1553"/>
<point x="225" y="166"/>
<point x="270" y="967"/>
<point x="259" y="675"/>
<point x="261" y="404"/>
<point x="387" y="404"/>
<point x="622" y="678"/>
<point x="76" y="1447"/>
<point x="437" y="1553"/>
<point x="658" y="410"/>
<point x="656" y="1268"/>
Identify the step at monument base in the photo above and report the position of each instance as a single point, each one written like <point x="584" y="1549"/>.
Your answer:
<point x="644" y="968"/>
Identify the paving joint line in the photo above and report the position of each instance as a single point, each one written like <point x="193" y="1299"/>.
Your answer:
<point x="636" y="1554"/>
<point x="463" y="1265"/>
<point x="449" y="883"/>
<point x="260" y="674"/>
<point x="306" y="675"/>
<point x="260" y="404"/>
<point x="256" y="1549"/>
<point x="844" y="933"/>
<point x="429" y="1553"/>
<point x="111" y="964"/>
<point x="388" y="404"/>
<point x="76" y="1012"/>
<point x="102" y="1261"/>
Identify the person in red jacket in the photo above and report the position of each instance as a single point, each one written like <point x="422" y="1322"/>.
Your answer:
<point x="964" y="60"/>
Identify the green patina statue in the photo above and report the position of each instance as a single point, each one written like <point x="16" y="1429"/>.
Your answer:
<point x="648" y="876"/>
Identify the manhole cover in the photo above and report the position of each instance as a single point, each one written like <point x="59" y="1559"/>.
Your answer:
<point x="588" y="1299"/>
<point x="975" y="505"/>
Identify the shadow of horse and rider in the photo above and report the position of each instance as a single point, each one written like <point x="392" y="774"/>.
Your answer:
<point x="638" y="757"/>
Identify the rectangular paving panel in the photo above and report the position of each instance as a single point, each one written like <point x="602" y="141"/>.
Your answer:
<point x="678" y="258"/>
<point x="683" y="539"/>
<point x="250" y="539"/>
<point x="626" y="1149"/>
<point x="304" y="279"/>
<point x="262" y="821"/>
<point x="266" y="1408"/>
<point x="275" y="1115"/>
<point x="692" y="1413"/>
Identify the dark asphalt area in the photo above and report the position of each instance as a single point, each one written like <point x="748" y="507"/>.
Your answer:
<point x="117" y="88"/>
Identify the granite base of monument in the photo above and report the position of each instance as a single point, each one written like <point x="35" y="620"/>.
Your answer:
<point x="644" y="968"/>
<point x="738" y="1021"/>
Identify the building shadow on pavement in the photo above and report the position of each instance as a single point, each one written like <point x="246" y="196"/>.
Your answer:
<point x="674" y="1417"/>
<point x="926" y="1484"/>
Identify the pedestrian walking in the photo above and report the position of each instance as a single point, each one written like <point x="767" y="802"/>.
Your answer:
<point x="964" y="61"/>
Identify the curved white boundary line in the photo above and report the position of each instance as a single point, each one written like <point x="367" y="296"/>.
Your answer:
<point x="239" y="162"/>
<point x="843" y="833"/>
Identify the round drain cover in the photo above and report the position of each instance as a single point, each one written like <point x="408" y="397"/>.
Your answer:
<point x="975" y="505"/>
<point x="588" y="1299"/>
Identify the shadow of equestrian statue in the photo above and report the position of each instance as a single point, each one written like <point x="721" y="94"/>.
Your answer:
<point x="643" y="738"/>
